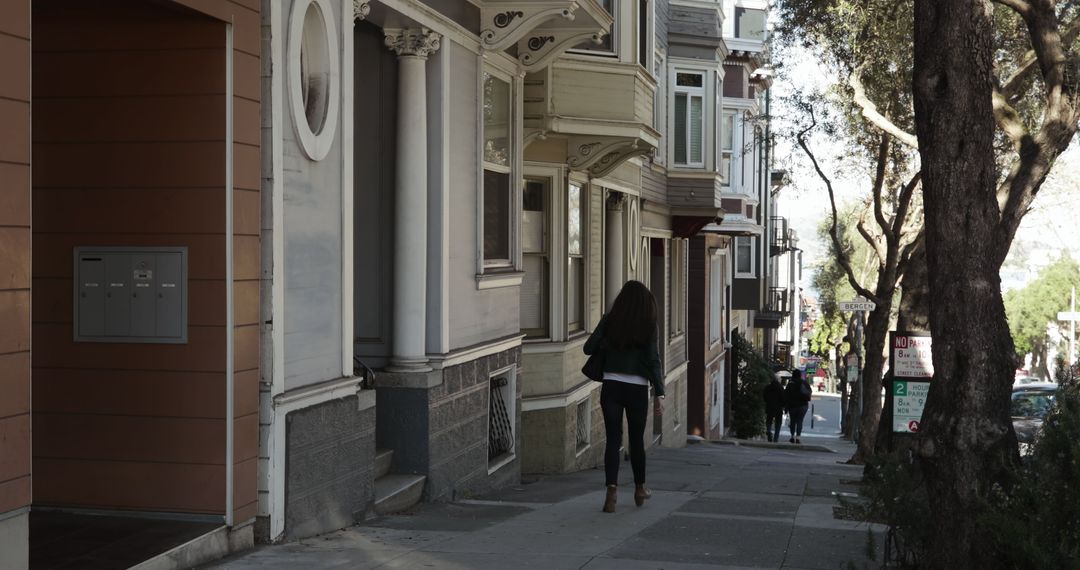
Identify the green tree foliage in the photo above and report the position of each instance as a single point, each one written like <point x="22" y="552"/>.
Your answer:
<point x="1036" y="519"/>
<point x="828" y="332"/>
<point x="1035" y="306"/>
<point x="748" y="406"/>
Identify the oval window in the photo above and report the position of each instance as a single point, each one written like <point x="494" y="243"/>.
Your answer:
<point x="314" y="76"/>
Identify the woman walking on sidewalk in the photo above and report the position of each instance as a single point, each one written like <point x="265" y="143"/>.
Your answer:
<point x="797" y="399"/>
<point x="625" y="339"/>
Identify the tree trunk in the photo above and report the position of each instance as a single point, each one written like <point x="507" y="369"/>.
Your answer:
<point x="967" y="441"/>
<point x="914" y="316"/>
<point x="877" y="330"/>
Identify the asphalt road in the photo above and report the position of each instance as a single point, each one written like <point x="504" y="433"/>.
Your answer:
<point x="825" y="409"/>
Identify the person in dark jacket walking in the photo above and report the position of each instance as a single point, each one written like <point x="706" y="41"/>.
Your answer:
<point x="774" y="409"/>
<point x="626" y="338"/>
<point x="797" y="399"/>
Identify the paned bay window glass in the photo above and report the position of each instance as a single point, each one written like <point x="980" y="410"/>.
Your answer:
<point x="497" y="164"/>
<point x="535" y="259"/>
<point x="716" y="288"/>
<point x="744" y="256"/>
<point x="689" y="117"/>
<point x="575" y="259"/>
<point x="676" y="284"/>
<point x="727" y="144"/>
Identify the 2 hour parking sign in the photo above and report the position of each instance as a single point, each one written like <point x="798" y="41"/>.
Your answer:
<point x="912" y="365"/>
<point x="909" y="399"/>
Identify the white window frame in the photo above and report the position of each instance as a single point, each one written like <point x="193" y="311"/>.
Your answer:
<point x="677" y="283"/>
<point x="726" y="178"/>
<point x="717" y="266"/>
<point x="647" y="44"/>
<point x="690" y="93"/>
<point x="614" y="35"/>
<point x="546" y="253"/>
<point x="660" y="102"/>
<point x="752" y="273"/>
<point x="501" y="272"/>
<point x="584" y="190"/>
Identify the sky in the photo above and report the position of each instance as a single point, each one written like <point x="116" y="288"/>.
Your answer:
<point x="1050" y="228"/>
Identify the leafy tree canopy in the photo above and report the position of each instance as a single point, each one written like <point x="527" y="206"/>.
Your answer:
<point x="1035" y="306"/>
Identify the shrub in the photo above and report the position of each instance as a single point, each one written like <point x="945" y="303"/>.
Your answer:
<point x="748" y="406"/>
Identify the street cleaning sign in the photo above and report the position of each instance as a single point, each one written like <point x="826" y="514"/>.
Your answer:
<point x="912" y="366"/>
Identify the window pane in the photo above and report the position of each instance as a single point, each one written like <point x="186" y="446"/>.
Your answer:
<point x="689" y="79"/>
<point x="696" y="138"/>
<point x="743" y="255"/>
<point x="496" y="121"/>
<point x="725" y="167"/>
<point x="575" y="281"/>
<point x="496" y="215"/>
<point x="715" y="285"/>
<point x="533" y="220"/>
<point x="749" y="23"/>
<point x="727" y="131"/>
<point x="573" y="221"/>
<point x="534" y="294"/>
<point x="643" y="33"/>
<point x="680" y="128"/>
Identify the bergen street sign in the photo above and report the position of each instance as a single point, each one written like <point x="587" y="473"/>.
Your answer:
<point x="857" y="305"/>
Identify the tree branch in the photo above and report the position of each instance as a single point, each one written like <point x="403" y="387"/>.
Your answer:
<point x="904" y="202"/>
<point x="871" y="241"/>
<point x="870" y="112"/>
<point x="834" y="233"/>
<point x="1019" y="6"/>
<point x="1008" y="119"/>
<point x="879" y="182"/>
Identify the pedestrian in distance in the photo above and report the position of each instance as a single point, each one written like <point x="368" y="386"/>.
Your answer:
<point x="797" y="397"/>
<point x="626" y="341"/>
<point x="774" y="408"/>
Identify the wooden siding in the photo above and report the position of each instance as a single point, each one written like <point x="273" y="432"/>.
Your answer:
<point x="129" y="149"/>
<point x="612" y="92"/>
<point x="695" y="192"/>
<point x="595" y="281"/>
<point x="14" y="255"/>
<point x="653" y="184"/>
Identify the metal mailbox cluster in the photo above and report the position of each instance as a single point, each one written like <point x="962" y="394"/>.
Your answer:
<point x="131" y="294"/>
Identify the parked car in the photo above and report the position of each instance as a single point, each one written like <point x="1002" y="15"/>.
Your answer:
<point x="1030" y="404"/>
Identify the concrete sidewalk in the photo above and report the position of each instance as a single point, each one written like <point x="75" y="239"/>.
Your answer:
<point x="713" y="506"/>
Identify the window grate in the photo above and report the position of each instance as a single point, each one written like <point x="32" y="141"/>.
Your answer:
<point x="583" y="424"/>
<point x="500" y="431"/>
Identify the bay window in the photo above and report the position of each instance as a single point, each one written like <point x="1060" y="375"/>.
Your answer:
<point x="689" y="120"/>
<point x="727" y="145"/>
<point x="607" y="45"/>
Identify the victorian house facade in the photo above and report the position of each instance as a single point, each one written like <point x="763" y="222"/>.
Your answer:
<point x="293" y="263"/>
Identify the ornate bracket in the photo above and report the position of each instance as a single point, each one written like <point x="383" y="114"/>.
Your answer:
<point x="600" y="155"/>
<point x="504" y="23"/>
<point x="361" y="9"/>
<point x="532" y="135"/>
<point x="536" y="51"/>
<point x="412" y="42"/>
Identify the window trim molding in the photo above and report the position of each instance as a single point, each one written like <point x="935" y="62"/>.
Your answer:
<point x="709" y="73"/>
<point x="752" y="274"/>
<point x="500" y="273"/>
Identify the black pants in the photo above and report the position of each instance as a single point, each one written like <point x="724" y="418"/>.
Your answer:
<point x="797" y="416"/>
<point x="615" y="397"/>
<point x="772" y="424"/>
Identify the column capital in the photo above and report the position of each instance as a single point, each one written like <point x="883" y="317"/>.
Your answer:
<point x="415" y="42"/>
<point x="615" y="200"/>
<point x="361" y="9"/>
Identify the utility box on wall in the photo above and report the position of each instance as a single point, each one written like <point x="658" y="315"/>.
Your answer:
<point x="131" y="294"/>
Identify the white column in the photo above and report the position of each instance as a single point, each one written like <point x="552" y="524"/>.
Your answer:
<point x="614" y="247"/>
<point x="412" y="47"/>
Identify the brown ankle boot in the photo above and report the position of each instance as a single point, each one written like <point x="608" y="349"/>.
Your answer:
<point x="609" y="501"/>
<point x="640" y="494"/>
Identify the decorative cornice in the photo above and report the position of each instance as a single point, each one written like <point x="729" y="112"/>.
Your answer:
<point x="412" y="42"/>
<point x="361" y="9"/>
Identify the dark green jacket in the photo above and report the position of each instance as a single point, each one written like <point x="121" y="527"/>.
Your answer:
<point x="643" y="361"/>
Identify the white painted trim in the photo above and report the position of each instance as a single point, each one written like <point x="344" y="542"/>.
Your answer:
<point x="312" y="395"/>
<point x="230" y="330"/>
<point x="564" y="400"/>
<point x="547" y="347"/>
<point x="475" y="352"/>
<point x="438" y="275"/>
<point x="314" y="145"/>
<point x="674" y="374"/>
<point x="347" y="191"/>
<point x="647" y="232"/>
<point x="495" y="280"/>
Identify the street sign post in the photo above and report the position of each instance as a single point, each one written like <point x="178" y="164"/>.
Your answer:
<point x="1072" y="316"/>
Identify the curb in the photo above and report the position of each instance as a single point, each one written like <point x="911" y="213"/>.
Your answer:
<point x="770" y="445"/>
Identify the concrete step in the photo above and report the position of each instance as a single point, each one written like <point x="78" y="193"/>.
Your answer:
<point x="383" y="459"/>
<point x="395" y="493"/>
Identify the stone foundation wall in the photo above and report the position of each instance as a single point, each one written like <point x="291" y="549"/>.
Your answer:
<point x="329" y="467"/>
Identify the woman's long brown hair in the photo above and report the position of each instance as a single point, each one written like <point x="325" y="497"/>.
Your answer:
<point x="632" y="320"/>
